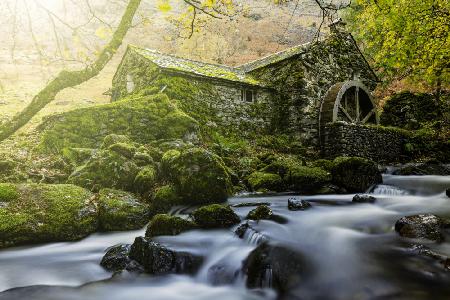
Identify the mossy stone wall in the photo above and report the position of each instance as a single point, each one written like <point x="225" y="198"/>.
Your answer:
<point x="379" y="144"/>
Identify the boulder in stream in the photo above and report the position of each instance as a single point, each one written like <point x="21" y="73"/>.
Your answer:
<point x="119" y="210"/>
<point x="158" y="259"/>
<point x="274" y="266"/>
<point x="363" y="198"/>
<point x="298" y="204"/>
<point x="163" y="224"/>
<point x="262" y="212"/>
<point x="116" y="259"/>
<point x="423" y="226"/>
<point x="39" y="213"/>
<point x="355" y="174"/>
<point x="215" y="216"/>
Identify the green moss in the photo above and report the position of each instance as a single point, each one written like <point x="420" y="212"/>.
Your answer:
<point x="124" y="149"/>
<point x="112" y="139"/>
<point x="119" y="210"/>
<point x="262" y="212"/>
<point x="215" y="216"/>
<point x="198" y="175"/>
<point x="145" y="180"/>
<point x="141" y="118"/>
<point x="324" y="164"/>
<point x="76" y="156"/>
<point x="355" y="174"/>
<point x="306" y="179"/>
<point x="164" y="198"/>
<point x="8" y="192"/>
<point x="106" y="169"/>
<point x="163" y="224"/>
<point x="260" y="181"/>
<point x="45" y="213"/>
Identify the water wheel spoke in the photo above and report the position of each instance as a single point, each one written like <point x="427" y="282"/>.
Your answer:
<point x="367" y="117"/>
<point x="346" y="113"/>
<point x="358" y="112"/>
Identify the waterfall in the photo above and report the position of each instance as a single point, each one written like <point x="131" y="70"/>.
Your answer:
<point x="389" y="190"/>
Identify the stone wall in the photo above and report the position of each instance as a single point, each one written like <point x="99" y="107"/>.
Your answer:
<point x="376" y="143"/>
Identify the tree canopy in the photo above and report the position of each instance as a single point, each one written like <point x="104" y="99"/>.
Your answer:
<point x="404" y="38"/>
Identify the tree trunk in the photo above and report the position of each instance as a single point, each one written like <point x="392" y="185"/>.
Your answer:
<point x="66" y="79"/>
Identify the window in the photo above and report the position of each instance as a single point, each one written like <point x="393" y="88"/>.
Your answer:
<point x="248" y="96"/>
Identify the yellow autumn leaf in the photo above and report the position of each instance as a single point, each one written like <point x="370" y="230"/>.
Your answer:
<point x="164" y="6"/>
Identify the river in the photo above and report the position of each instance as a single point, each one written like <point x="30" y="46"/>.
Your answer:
<point x="352" y="251"/>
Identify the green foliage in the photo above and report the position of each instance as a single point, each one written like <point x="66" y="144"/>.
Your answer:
<point x="215" y="216"/>
<point x="45" y="213"/>
<point x="260" y="181"/>
<point x="410" y="111"/>
<point x="8" y="192"/>
<point x="163" y="224"/>
<point x="119" y="210"/>
<point x="404" y="37"/>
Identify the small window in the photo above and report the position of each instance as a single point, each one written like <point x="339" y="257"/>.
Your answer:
<point x="248" y="96"/>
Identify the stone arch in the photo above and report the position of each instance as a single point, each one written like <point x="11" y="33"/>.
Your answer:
<point x="350" y="102"/>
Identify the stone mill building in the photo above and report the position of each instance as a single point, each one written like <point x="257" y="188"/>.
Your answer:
<point x="299" y="91"/>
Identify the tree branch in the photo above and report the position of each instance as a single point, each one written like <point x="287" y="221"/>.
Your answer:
<point x="67" y="79"/>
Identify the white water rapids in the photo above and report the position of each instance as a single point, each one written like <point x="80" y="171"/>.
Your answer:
<point x="352" y="249"/>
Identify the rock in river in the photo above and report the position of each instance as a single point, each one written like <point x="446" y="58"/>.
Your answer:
<point x="298" y="204"/>
<point x="158" y="260"/>
<point x="363" y="198"/>
<point x="423" y="226"/>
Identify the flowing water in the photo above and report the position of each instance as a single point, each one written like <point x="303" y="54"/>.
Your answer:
<point x="351" y="249"/>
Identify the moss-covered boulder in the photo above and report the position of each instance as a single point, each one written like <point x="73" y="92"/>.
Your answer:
<point x="140" y="117"/>
<point x="145" y="180"/>
<point x="262" y="212"/>
<point x="355" y="174"/>
<point x="260" y="181"/>
<point x="106" y="169"/>
<point x="306" y="179"/>
<point x="163" y="199"/>
<point x="215" y="216"/>
<point x="199" y="176"/>
<point x="163" y="224"/>
<point x="119" y="210"/>
<point x="38" y="213"/>
<point x="124" y="149"/>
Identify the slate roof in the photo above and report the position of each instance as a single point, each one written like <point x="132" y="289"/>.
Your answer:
<point x="187" y="66"/>
<point x="274" y="58"/>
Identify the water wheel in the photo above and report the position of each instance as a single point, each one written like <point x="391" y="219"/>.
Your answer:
<point x="350" y="102"/>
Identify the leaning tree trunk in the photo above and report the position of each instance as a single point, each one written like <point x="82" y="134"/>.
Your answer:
<point x="66" y="79"/>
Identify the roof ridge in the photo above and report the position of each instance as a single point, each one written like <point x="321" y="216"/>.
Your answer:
<point x="187" y="59"/>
